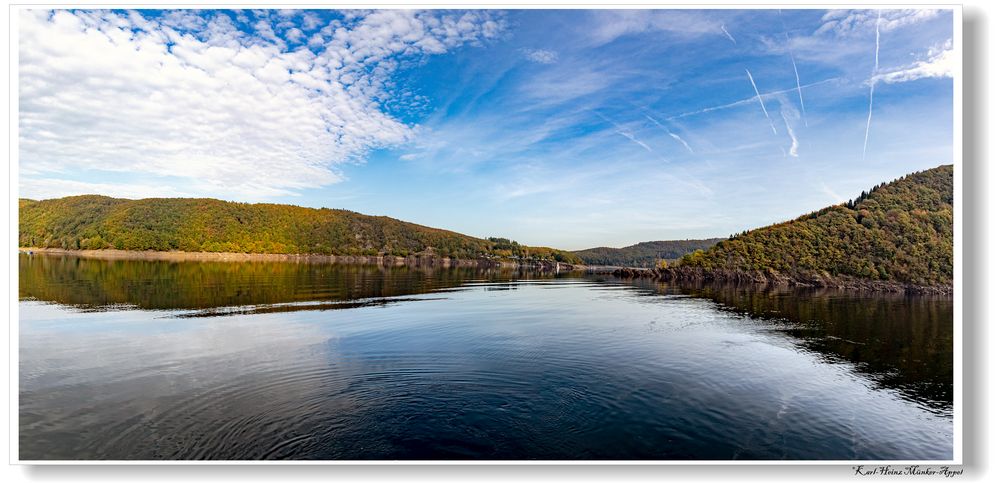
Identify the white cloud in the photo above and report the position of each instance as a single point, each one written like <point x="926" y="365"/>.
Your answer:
<point x="940" y="63"/>
<point x="611" y="24"/>
<point x="310" y="21"/>
<point x="294" y="34"/>
<point x="541" y="56"/>
<point x="195" y="98"/>
<point x="847" y="23"/>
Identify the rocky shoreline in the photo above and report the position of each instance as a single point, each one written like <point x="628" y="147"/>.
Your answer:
<point x="697" y="274"/>
<point x="385" y="260"/>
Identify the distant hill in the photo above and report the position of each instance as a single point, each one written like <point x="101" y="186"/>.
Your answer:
<point x="899" y="232"/>
<point x="644" y="254"/>
<point x="208" y="225"/>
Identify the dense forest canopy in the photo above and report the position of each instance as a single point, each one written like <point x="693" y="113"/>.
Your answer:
<point x="208" y="225"/>
<point x="645" y="254"/>
<point x="899" y="231"/>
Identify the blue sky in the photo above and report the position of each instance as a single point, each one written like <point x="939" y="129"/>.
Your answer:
<point x="566" y="128"/>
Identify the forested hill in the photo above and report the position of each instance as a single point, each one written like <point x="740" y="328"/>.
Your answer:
<point x="207" y="225"/>
<point x="645" y="254"/>
<point x="898" y="232"/>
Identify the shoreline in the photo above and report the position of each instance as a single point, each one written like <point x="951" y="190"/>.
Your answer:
<point x="670" y="274"/>
<point x="701" y="275"/>
<point x="384" y="260"/>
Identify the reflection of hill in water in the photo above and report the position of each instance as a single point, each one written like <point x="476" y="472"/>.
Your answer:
<point x="901" y="341"/>
<point x="162" y="285"/>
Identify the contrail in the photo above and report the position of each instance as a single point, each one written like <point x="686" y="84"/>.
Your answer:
<point x="631" y="137"/>
<point x="790" y="115"/>
<point x="871" y="89"/>
<point x="833" y="195"/>
<point x="671" y="133"/>
<point x="731" y="39"/>
<point x="793" y="150"/>
<point x="798" y="86"/>
<point x="754" y="84"/>
<point x="624" y="132"/>
<point x="746" y="101"/>
<point x="678" y="138"/>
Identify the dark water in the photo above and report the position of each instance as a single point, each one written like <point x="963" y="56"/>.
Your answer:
<point x="161" y="360"/>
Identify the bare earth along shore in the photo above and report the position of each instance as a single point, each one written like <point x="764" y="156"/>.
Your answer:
<point x="177" y="256"/>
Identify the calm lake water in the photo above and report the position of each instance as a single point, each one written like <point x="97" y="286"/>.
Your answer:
<point x="200" y="360"/>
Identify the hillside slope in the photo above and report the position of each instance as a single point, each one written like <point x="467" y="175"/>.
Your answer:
<point x="899" y="232"/>
<point x="644" y="254"/>
<point x="208" y="225"/>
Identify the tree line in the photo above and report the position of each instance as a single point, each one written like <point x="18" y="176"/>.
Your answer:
<point x="93" y="222"/>
<point x="898" y="231"/>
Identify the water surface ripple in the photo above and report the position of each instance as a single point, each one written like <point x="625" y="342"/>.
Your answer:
<point x="165" y="360"/>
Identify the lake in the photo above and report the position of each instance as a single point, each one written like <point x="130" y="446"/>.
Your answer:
<point x="153" y="360"/>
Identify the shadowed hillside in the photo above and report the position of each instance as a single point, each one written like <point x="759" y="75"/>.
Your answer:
<point x="645" y="254"/>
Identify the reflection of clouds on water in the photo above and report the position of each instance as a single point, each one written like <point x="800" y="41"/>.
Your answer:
<point x="558" y="368"/>
<point x="171" y="382"/>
